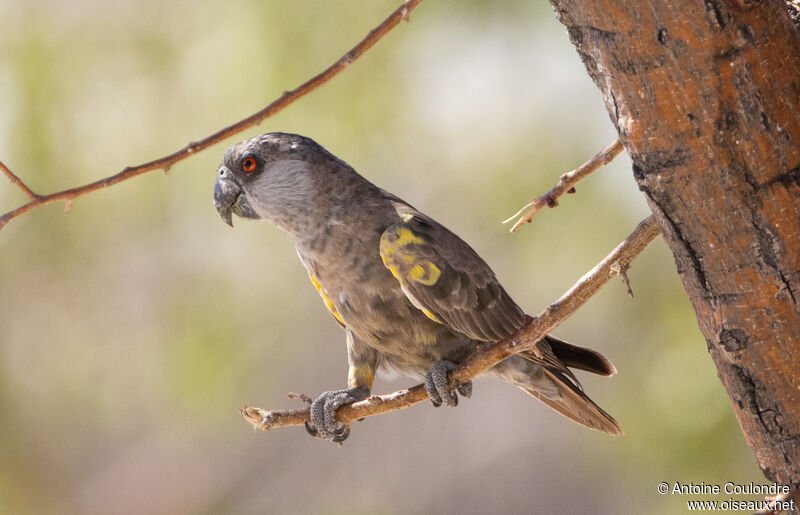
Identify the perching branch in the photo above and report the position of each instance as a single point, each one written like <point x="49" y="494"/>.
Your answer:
<point x="164" y="163"/>
<point x="614" y="264"/>
<point x="566" y="184"/>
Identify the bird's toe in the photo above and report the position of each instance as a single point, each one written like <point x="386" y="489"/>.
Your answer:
<point x="438" y="388"/>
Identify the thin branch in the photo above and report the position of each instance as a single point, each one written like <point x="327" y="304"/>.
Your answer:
<point x="614" y="264"/>
<point x="164" y="163"/>
<point x="16" y="180"/>
<point x="566" y="184"/>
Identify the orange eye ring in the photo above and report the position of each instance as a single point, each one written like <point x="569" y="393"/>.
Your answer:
<point x="248" y="164"/>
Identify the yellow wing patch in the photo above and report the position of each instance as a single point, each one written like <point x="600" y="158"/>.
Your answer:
<point x="399" y="238"/>
<point x="405" y="265"/>
<point x="405" y="237"/>
<point x="426" y="273"/>
<point x="327" y="300"/>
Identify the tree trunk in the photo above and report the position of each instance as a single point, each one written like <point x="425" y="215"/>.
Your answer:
<point x="705" y="96"/>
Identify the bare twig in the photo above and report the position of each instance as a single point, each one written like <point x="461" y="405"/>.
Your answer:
<point x="626" y="281"/>
<point x="617" y="261"/>
<point x="303" y="397"/>
<point x="164" y="163"/>
<point x="16" y="180"/>
<point x="566" y="184"/>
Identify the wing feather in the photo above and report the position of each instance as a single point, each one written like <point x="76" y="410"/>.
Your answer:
<point x="445" y="277"/>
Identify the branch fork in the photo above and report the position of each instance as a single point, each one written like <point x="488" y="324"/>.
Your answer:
<point x="566" y="184"/>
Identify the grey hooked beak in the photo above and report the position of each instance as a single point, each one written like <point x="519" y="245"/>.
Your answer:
<point x="226" y="195"/>
<point x="229" y="198"/>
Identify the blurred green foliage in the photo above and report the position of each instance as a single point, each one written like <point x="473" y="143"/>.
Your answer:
<point x="133" y="328"/>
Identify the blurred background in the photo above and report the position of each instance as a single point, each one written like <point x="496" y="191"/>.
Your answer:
<point x="133" y="328"/>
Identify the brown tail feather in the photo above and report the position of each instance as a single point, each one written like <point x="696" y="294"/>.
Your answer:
<point x="581" y="357"/>
<point x="576" y="405"/>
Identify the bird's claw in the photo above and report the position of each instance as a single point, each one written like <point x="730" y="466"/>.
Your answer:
<point x="311" y="429"/>
<point x="340" y="434"/>
<point x="465" y="389"/>
<point x="438" y="388"/>
<point x="323" y="413"/>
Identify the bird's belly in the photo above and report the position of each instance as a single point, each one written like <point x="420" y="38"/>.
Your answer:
<point x="373" y="306"/>
<point x="406" y="338"/>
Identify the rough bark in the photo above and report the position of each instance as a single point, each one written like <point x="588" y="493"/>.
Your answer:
<point x="705" y="96"/>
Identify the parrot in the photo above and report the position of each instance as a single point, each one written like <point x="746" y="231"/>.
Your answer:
<point x="411" y="295"/>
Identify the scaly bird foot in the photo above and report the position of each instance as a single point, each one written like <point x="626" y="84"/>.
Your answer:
<point x="437" y="387"/>
<point x="323" y="413"/>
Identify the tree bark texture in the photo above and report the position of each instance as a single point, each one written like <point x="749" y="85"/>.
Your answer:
<point x="705" y="95"/>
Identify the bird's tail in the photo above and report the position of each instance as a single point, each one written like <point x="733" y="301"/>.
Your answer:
<point x="580" y="357"/>
<point x="556" y="386"/>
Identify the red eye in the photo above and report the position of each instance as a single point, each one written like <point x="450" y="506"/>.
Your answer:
<point x="248" y="164"/>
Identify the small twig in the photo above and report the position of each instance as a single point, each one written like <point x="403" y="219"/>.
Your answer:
<point x="566" y="184"/>
<point x="781" y="503"/>
<point x="16" y="180"/>
<point x="627" y="281"/>
<point x="303" y="397"/>
<point x="619" y="259"/>
<point x="164" y="163"/>
<point x="623" y="274"/>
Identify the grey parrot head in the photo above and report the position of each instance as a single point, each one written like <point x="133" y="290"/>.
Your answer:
<point x="277" y="177"/>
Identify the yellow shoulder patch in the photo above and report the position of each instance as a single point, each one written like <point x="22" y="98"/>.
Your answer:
<point x="403" y="264"/>
<point x="426" y="273"/>
<point x="406" y="237"/>
<point x="407" y="264"/>
<point x="327" y="300"/>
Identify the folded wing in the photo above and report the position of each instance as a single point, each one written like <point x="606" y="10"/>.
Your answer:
<point x="446" y="279"/>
